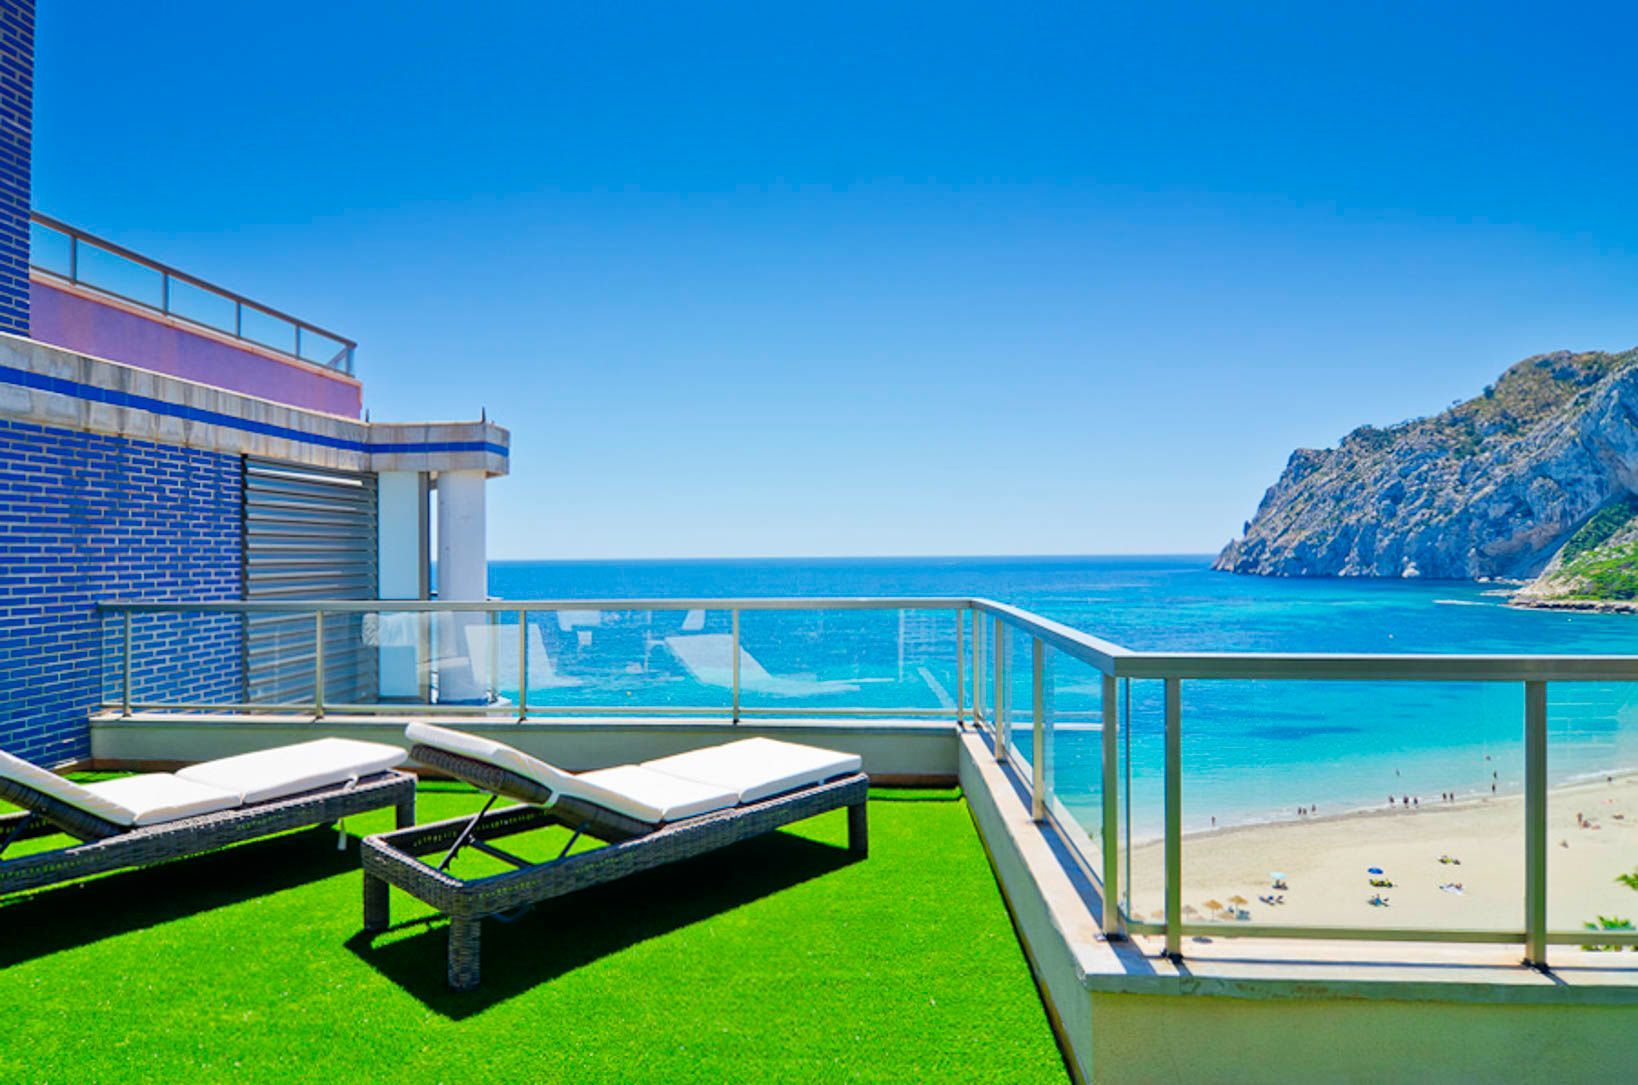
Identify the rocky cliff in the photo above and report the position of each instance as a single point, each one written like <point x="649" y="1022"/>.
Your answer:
<point x="1493" y="487"/>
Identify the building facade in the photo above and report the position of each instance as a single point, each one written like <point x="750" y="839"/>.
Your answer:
<point x="162" y="438"/>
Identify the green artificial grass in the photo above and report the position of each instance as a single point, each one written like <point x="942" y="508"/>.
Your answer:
<point x="778" y="959"/>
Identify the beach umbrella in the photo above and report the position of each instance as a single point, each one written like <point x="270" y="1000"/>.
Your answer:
<point x="1188" y="909"/>
<point x="1277" y="875"/>
<point x="1238" y="899"/>
<point x="1214" y="906"/>
<point x="1373" y="870"/>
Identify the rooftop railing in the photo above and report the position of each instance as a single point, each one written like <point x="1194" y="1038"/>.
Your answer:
<point x="86" y="260"/>
<point x="1055" y="704"/>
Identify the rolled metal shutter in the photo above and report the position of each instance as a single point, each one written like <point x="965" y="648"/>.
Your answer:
<point x="309" y="533"/>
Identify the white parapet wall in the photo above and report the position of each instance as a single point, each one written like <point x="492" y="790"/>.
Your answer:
<point x="894" y="751"/>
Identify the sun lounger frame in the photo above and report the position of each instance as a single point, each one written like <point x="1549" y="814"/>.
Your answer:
<point x="105" y="847"/>
<point x="394" y="859"/>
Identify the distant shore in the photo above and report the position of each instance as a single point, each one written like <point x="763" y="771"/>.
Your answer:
<point x="1591" y="606"/>
<point x="1325" y="862"/>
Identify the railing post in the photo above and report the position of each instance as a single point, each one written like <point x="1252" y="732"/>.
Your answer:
<point x="1111" y="808"/>
<point x="978" y="674"/>
<point x="165" y="292"/>
<point x="999" y="648"/>
<point x="298" y="340"/>
<point x="493" y="641"/>
<point x="318" y="664"/>
<point x="523" y="665"/>
<point x="736" y="665"/>
<point x="1174" y="819"/>
<point x="1535" y="824"/>
<point x="238" y="320"/>
<point x="1037" y="790"/>
<point x="961" y="676"/>
<point x="73" y="259"/>
<point x="125" y="682"/>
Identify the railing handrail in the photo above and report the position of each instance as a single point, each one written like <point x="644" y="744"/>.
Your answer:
<point x="77" y="234"/>
<point x="511" y="606"/>
<point x="1106" y="656"/>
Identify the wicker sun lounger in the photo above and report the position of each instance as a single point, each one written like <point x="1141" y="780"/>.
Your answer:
<point x="114" y="837"/>
<point x="596" y="804"/>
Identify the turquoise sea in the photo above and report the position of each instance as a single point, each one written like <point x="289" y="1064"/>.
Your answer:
<point x="1252" y="750"/>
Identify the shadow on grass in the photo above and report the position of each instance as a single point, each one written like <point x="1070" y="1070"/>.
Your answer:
<point x="570" y="932"/>
<point x="83" y="912"/>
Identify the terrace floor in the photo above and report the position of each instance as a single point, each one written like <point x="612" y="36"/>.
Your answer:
<point x="779" y="958"/>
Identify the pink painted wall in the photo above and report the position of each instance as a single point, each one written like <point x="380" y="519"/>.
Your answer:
<point x="82" y="324"/>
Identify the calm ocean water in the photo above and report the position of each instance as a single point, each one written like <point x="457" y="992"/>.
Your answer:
<point x="1252" y="750"/>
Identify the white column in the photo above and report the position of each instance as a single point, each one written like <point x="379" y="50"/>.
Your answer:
<point x="401" y="573"/>
<point x="463" y="574"/>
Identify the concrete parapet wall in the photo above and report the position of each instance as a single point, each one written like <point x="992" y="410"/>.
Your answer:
<point x="893" y="750"/>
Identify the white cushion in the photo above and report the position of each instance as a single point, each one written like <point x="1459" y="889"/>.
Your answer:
<point x="291" y="770"/>
<point x="159" y="797"/>
<point x="647" y="795"/>
<point x="495" y="753"/>
<point x="626" y="789"/>
<point x="758" y="768"/>
<point x="49" y="783"/>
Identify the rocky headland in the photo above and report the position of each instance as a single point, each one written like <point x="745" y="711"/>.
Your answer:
<point x="1534" y="479"/>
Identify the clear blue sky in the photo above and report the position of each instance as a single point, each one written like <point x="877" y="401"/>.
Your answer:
<point x="875" y="279"/>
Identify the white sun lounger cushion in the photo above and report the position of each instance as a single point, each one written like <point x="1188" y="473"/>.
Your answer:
<point x="646" y="796"/>
<point x="495" y="753"/>
<point x="66" y="791"/>
<point x="158" y="797"/>
<point x="291" y="770"/>
<point x="650" y="796"/>
<point x="758" y="768"/>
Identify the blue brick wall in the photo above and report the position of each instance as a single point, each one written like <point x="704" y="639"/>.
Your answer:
<point x="83" y="517"/>
<point x="16" y="145"/>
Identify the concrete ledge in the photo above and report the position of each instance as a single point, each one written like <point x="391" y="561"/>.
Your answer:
<point x="1303" y="1011"/>
<point x="48" y="386"/>
<point x="894" y="751"/>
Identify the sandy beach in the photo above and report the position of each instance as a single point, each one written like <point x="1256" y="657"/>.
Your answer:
<point x="1325" y="862"/>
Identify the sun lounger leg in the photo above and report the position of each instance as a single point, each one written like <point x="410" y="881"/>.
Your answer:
<point x="858" y="830"/>
<point x="377" y="915"/>
<point x="464" y="947"/>
<point x="406" y="812"/>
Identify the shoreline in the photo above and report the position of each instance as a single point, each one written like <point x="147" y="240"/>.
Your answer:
<point x="1584" y="606"/>
<point x="1467" y="801"/>
<point x="1592" y="838"/>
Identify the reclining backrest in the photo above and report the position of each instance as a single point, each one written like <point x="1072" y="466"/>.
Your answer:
<point x="490" y="752"/>
<point x="65" y="804"/>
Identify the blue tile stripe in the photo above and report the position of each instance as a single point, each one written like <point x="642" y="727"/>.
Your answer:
<point x="114" y="397"/>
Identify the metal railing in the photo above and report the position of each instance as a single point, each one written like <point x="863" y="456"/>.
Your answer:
<point x="991" y="710"/>
<point x="87" y="260"/>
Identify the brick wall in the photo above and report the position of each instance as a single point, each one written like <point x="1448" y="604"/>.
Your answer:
<point x="85" y="516"/>
<point x="16" y="144"/>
